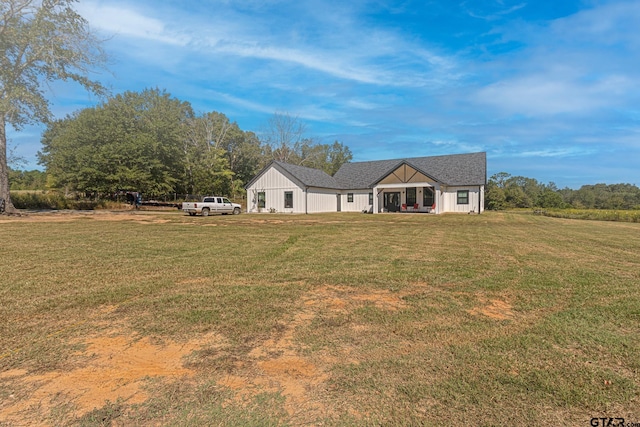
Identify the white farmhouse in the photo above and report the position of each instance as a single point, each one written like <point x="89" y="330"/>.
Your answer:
<point x="436" y="184"/>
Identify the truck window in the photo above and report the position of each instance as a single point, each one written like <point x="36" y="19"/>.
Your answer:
<point x="226" y="200"/>
<point x="219" y="199"/>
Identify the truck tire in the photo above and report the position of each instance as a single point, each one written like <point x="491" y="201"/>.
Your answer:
<point x="236" y="211"/>
<point x="205" y="212"/>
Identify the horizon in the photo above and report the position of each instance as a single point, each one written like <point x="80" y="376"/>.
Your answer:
<point x="547" y="90"/>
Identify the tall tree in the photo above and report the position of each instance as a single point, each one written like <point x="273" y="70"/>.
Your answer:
<point x="132" y="142"/>
<point x="337" y="155"/>
<point x="40" y="41"/>
<point x="206" y="164"/>
<point x="285" y="137"/>
<point x="285" y="140"/>
<point x="246" y="157"/>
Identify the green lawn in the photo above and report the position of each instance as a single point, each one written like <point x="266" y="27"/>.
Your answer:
<point x="337" y="319"/>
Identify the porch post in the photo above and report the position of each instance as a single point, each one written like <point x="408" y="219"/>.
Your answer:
<point x="375" y="200"/>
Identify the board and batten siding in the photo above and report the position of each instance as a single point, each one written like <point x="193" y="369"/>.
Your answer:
<point x="360" y="201"/>
<point x="274" y="184"/>
<point x="322" y="200"/>
<point x="449" y="199"/>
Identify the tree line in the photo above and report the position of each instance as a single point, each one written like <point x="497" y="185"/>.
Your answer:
<point x="507" y="192"/>
<point x="156" y="144"/>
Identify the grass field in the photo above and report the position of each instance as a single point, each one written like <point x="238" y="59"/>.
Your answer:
<point x="122" y="318"/>
<point x="593" y="214"/>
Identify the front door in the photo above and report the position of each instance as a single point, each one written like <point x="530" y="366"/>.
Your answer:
<point x="392" y="202"/>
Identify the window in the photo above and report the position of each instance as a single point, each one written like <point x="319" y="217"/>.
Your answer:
<point x="350" y="197"/>
<point x="427" y="196"/>
<point x="463" y="197"/>
<point x="371" y="198"/>
<point x="288" y="199"/>
<point x="411" y="196"/>
<point x="261" y="199"/>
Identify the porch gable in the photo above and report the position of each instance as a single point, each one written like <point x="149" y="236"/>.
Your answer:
<point x="405" y="174"/>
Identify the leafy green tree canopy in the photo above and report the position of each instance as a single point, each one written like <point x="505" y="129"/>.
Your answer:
<point x="27" y="180"/>
<point x="505" y="191"/>
<point x="134" y="141"/>
<point x="40" y="41"/>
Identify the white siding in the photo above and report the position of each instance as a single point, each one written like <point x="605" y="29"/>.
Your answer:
<point x="322" y="200"/>
<point x="274" y="184"/>
<point x="449" y="200"/>
<point x="360" y="201"/>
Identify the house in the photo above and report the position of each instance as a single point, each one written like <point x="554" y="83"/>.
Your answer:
<point x="437" y="184"/>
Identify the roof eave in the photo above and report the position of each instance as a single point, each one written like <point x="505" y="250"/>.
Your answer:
<point x="258" y="175"/>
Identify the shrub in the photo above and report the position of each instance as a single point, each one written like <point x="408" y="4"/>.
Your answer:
<point x="51" y="200"/>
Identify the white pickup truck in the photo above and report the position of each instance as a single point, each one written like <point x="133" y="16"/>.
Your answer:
<point x="211" y="205"/>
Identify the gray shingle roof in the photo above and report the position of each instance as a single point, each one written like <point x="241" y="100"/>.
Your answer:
<point x="454" y="169"/>
<point x="308" y="176"/>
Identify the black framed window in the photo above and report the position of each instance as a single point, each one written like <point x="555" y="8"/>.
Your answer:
<point x="370" y="198"/>
<point x="288" y="199"/>
<point x="463" y="197"/>
<point x="261" y="199"/>
<point x="411" y="196"/>
<point x="427" y="196"/>
<point x="350" y="197"/>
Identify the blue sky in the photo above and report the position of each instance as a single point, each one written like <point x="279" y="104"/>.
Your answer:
<point x="549" y="89"/>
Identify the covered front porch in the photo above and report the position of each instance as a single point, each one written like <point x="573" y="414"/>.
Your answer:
<point x="400" y="198"/>
<point x="406" y="189"/>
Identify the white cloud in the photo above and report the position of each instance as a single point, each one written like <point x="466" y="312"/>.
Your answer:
<point x="554" y="152"/>
<point x="583" y="64"/>
<point x="317" y="61"/>
<point x="361" y="105"/>
<point x="242" y="102"/>
<point x="489" y="13"/>
<point x="124" y="21"/>
<point x="548" y="94"/>
<point x="605" y="25"/>
<point x="336" y="48"/>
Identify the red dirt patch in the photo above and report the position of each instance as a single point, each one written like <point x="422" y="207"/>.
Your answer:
<point x="494" y="309"/>
<point x="118" y="367"/>
<point x="278" y="364"/>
